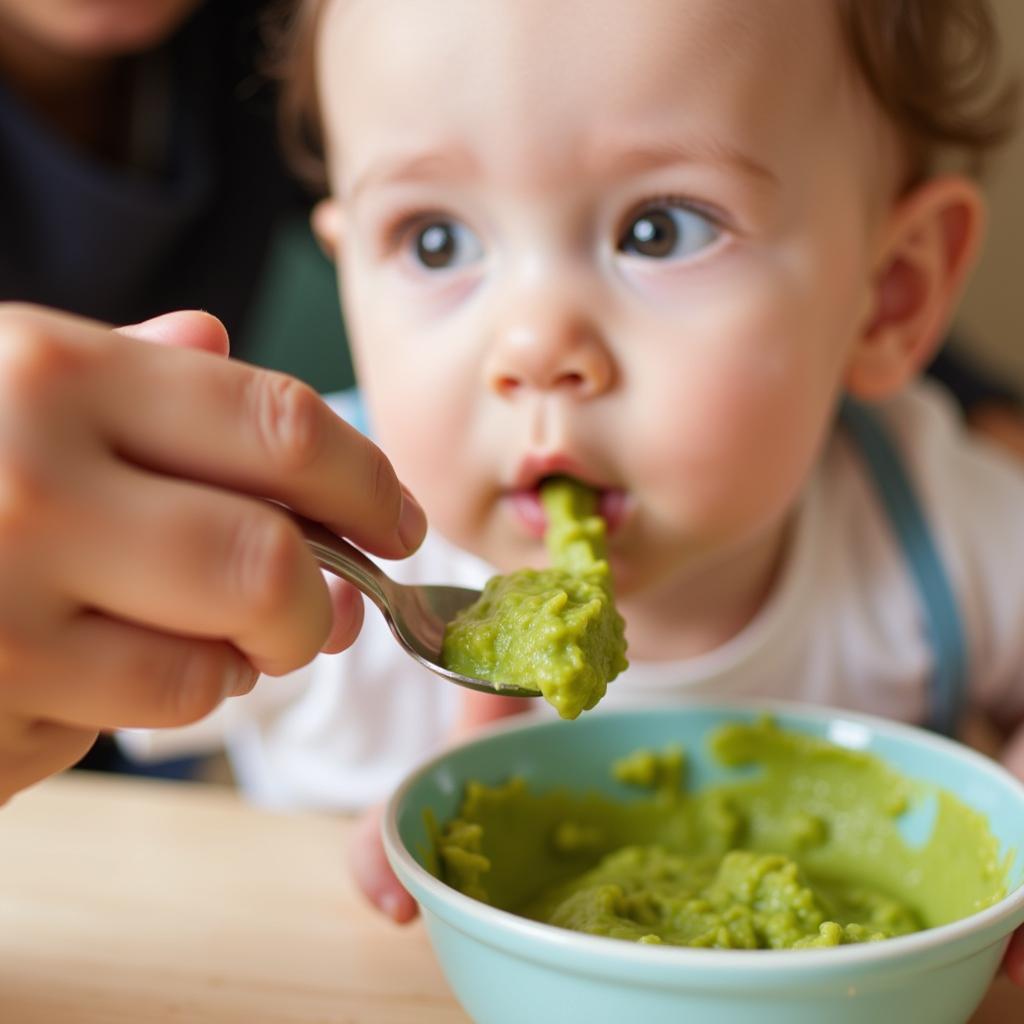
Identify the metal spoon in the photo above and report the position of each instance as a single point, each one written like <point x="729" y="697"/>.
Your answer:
<point x="417" y="615"/>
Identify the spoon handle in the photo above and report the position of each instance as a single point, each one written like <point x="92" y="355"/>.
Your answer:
<point x="346" y="561"/>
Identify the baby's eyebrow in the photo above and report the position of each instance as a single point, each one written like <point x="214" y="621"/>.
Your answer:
<point x="412" y="167"/>
<point x="602" y="156"/>
<point x="648" y="156"/>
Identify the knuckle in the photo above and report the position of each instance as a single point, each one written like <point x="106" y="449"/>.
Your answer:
<point x="24" y="493"/>
<point x="289" y="419"/>
<point x="267" y="552"/>
<point x="33" y="363"/>
<point x="18" y="319"/>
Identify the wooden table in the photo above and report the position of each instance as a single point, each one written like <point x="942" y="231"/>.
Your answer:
<point x="135" y="902"/>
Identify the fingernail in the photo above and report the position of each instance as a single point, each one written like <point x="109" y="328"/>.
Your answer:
<point x="412" y="523"/>
<point x="241" y="679"/>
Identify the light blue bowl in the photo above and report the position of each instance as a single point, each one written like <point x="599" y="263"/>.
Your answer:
<point x="508" y="970"/>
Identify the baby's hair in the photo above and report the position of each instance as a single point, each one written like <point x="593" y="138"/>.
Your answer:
<point x="931" y="65"/>
<point x="290" y="29"/>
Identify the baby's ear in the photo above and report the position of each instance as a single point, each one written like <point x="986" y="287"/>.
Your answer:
<point x="928" y="246"/>
<point x="326" y="222"/>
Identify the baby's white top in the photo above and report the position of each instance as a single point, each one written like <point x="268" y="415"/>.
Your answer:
<point x="843" y="626"/>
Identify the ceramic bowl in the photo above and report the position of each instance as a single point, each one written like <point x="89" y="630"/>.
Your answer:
<point x="506" y="969"/>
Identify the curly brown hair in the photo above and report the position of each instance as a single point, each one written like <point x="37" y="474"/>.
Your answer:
<point x="932" y="66"/>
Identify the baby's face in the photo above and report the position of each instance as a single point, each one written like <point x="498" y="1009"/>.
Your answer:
<point x="627" y="241"/>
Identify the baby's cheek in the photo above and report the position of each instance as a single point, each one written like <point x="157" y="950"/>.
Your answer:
<point x="428" y="460"/>
<point x="736" y="439"/>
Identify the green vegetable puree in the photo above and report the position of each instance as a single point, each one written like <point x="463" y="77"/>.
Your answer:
<point x="805" y="849"/>
<point x="554" y="631"/>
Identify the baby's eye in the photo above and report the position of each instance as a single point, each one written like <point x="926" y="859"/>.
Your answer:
<point x="668" y="232"/>
<point x="445" y="244"/>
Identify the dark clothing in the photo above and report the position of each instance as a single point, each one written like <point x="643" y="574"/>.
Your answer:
<point x="193" y="229"/>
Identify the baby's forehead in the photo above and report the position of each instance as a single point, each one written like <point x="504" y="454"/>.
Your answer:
<point x="773" y="41"/>
<point x="764" y="75"/>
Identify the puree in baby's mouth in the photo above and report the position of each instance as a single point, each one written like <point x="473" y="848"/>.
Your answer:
<point x="554" y="631"/>
<point x="805" y="851"/>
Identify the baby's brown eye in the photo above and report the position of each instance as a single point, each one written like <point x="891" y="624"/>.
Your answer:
<point x="435" y="245"/>
<point x="653" y="234"/>
<point x="668" y="232"/>
<point x="444" y="244"/>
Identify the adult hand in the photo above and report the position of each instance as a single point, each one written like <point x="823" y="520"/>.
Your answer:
<point x="143" y="578"/>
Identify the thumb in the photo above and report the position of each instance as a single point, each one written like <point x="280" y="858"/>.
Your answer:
<point x="187" y="328"/>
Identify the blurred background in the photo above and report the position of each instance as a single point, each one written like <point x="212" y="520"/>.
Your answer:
<point x="992" y="315"/>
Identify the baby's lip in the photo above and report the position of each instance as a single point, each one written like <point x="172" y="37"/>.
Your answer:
<point x="535" y="468"/>
<point x="612" y="502"/>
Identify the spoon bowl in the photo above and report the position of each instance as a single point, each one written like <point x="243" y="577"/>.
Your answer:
<point x="417" y="615"/>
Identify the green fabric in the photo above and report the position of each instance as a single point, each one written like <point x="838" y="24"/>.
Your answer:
<point x="296" y="325"/>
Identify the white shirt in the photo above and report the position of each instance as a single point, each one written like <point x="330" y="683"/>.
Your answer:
<point x="843" y="626"/>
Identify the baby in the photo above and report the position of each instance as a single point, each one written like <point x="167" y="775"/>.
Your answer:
<point x="694" y="254"/>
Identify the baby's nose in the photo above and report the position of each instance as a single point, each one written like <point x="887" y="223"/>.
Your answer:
<point x="549" y="349"/>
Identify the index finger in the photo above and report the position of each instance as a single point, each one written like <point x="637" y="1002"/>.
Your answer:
<point x="195" y="415"/>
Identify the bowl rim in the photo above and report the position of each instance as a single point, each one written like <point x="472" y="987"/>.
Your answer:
<point x="541" y="935"/>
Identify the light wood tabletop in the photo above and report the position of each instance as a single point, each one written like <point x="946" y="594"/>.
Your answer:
<point x="140" y="902"/>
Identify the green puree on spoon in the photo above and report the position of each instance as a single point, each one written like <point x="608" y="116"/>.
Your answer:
<point x="552" y="630"/>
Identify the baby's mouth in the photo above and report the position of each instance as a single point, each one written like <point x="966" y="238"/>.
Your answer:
<point x="612" y="504"/>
